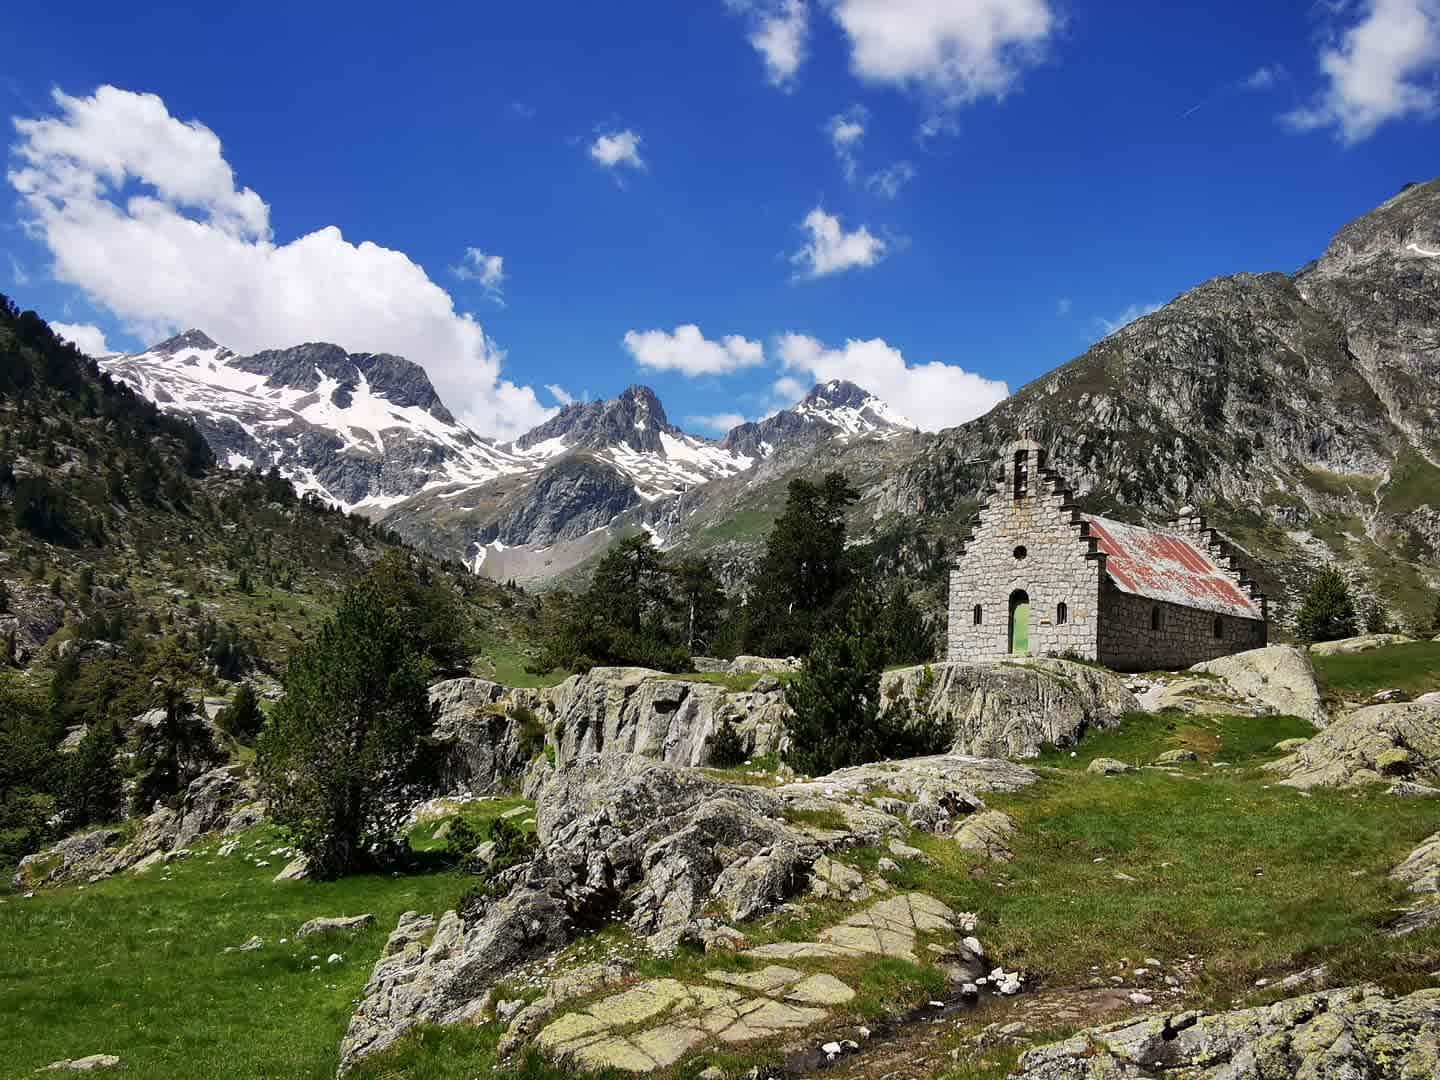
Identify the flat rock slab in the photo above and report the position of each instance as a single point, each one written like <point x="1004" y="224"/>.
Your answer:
<point x="888" y="928"/>
<point x="91" y="1063"/>
<point x="988" y="834"/>
<point x="792" y="985"/>
<point x="611" y="1033"/>
<point x="336" y="924"/>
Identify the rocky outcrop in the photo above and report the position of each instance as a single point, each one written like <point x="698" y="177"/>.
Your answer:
<point x="1360" y="643"/>
<point x="654" y="715"/>
<point x="1012" y="710"/>
<point x="1279" y="678"/>
<point x="1400" y="741"/>
<point x="223" y="799"/>
<point x="1421" y="868"/>
<point x="669" y="850"/>
<point x="1355" y="1034"/>
<point x="490" y="734"/>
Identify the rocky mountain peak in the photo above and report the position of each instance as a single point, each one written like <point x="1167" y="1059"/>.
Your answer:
<point x="189" y="339"/>
<point x="837" y="407"/>
<point x="839" y="392"/>
<point x="635" y="419"/>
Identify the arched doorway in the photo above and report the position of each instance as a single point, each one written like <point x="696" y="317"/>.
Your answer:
<point x="1020" y="622"/>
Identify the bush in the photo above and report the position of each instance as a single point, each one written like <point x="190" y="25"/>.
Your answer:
<point x="347" y="749"/>
<point x="242" y="718"/>
<point x="727" y="748"/>
<point x="1328" y="613"/>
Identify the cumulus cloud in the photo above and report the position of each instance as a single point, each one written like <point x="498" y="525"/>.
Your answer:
<point x="487" y="270"/>
<point x="846" y="131"/>
<point x="778" y="32"/>
<point x="955" y="51"/>
<point x="618" y="150"/>
<point x="141" y="211"/>
<point x="933" y="395"/>
<point x="1125" y="318"/>
<point x="716" y="423"/>
<point x="689" y="352"/>
<point x="887" y="183"/>
<point x="560" y="394"/>
<point x="86" y="337"/>
<point x="831" y="250"/>
<point x="1379" y="68"/>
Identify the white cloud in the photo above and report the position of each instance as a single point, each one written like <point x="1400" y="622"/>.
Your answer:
<point x="846" y="131"/>
<point x="956" y="51"/>
<point x="1381" y="68"/>
<point x="1263" y="78"/>
<point x="887" y="183"/>
<point x="488" y="270"/>
<point x="1125" y="318"/>
<point x="779" y="29"/>
<point x="831" y="249"/>
<point x="141" y="212"/>
<point x="933" y="395"/>
<point x="86" y="337"/>
<point x="689" y="352"/>
<point x="18" y="273"/>
<point x="1064" y="306"/>
<point x="618" y="149"/>
<point x="718" y="423"/>
<point x="560" y="394"/>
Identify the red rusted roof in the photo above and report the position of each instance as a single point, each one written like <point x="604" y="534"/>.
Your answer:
<point x="1164" y="566"/>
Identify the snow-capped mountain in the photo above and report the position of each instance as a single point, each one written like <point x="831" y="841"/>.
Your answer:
<point x="837" y="408"/>
<point x="362" y="430"/>
<point x="632" y="433"/>
<point x="368" y="432"/>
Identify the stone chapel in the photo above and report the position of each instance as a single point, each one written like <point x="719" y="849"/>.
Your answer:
<point x="1038" y="577"/>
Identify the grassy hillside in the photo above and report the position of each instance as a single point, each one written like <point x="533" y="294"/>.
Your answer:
<point x="127" y="555"/>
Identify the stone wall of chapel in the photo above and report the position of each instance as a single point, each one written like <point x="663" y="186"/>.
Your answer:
<point x="1129" y="642"/>
<point x="1055" y="570"/>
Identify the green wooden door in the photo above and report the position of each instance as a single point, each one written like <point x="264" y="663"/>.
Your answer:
<point x="1020" y="624"/>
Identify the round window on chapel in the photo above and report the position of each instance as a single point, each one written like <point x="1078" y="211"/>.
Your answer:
<point x="1020" y="552"/>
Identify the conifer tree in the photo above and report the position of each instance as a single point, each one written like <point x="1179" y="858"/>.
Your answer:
<point x="92" y="782"/>
<point x="1328" y="613"/>
<point x="345" y="753"/>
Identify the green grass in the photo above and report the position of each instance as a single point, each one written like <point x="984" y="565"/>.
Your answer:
<point x="1414" y="482"/>
<point x="1414" y="668"/>
<point x="1254" y="878"/>
<point x="506" y="666"/>
<point x="135" y="966"/>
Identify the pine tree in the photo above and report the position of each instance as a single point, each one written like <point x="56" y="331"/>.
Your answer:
<point x="1328" y="613"/>
<point x="803" y="570"/>
<point x="701" y="602"/>
<point x="836" y="695"/>
<point x="345" y="752"/>
<point x="92" y="781"/>
<point x="242" y="718"/>
<point x="909" y="636"/>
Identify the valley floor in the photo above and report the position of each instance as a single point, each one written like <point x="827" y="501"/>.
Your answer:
<point x="1208" y="868"/>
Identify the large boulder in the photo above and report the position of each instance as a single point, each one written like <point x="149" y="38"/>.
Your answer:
<point x="1379" y="742"/>
<point x="490" y="734"/>
<point x="1357" y="1033"/>
<point x="1359" y="643"/>
<point x="1280" y="678"/>
<point x="667" y="718"/>
<point x="1012" y="710"/>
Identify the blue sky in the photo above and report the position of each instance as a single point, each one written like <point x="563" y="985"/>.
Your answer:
<point x="937" y="198"/>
